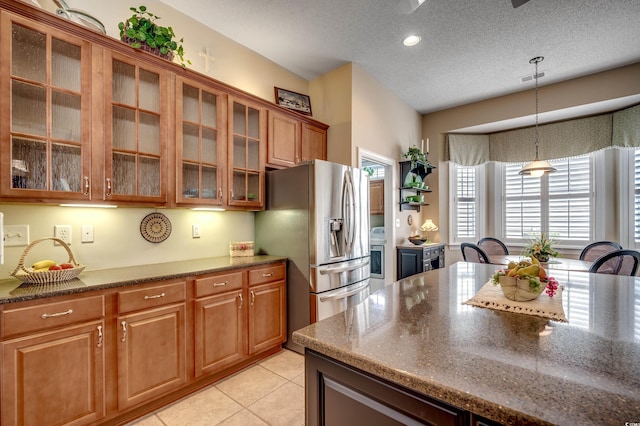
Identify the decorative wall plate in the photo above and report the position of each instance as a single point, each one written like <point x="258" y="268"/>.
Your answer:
<point x="155" y="227"/>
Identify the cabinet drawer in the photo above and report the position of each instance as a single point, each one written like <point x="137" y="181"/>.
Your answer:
<point x="267" y="274"/>
<point x="218" y="284"/>
<point x="152" y="296"/>
<point x="49" y="315"/>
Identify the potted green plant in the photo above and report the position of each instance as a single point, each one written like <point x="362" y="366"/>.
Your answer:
<point x="415" y="155"/>
<point x="142" y="32"/>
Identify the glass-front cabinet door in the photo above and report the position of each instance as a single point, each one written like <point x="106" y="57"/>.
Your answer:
<point x="200" y="144"/>
<point x="45" y="134"/>
<point x="135" y="131"/>
<point x="247" y="154"/>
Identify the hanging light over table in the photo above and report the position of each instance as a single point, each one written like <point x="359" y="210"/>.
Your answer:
<point x="537" y="167"/>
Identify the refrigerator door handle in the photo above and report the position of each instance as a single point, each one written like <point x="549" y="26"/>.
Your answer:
<point x="339" y="269"/>
<point x="348" y="212"/>
<point x="344" y="294"/>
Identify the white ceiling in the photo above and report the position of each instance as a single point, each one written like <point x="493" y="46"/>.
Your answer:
<point x="471" y="49"/>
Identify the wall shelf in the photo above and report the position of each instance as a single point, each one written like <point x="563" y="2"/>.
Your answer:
<point x="408" y="177"/>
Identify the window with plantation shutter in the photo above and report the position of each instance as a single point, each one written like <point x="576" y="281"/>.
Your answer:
<point x="465" y="206"/>
<point x="558" y="204"/>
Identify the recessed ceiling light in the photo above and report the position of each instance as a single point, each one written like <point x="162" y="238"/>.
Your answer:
<point x="411" y="40"/>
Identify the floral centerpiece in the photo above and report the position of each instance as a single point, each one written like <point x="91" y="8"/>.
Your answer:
<point x="525" y="280"/>
<point x="541" y="248"/>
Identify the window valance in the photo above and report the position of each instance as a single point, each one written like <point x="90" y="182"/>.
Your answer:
<point x="557" y="140"/>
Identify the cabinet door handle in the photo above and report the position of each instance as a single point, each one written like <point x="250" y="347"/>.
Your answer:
<point x="231" y="194"/>
<point x="57" y="314"/>
<point x="86" y="186"/>
<point x="220" y="284"/>
<point x="108" y="187"/>
<point x="220" y="194"/>
<point x="241" y="301"/>
<point x="155" y="296"/>
<point x="124" y="331"/>
<point x="100" y="336"/>
<point x="253" y="297"/>
<point x="270" y="274"/>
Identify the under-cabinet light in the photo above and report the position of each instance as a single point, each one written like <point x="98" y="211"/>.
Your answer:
<point x="97" y="206"/>
<point x="208" y="209"/>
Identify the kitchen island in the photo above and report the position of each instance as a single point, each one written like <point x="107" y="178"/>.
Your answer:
<point x="415" y="351"/>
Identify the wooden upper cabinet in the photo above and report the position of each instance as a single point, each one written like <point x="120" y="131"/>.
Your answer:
<point x="284" y="140"/>
<point x="45" y="107"/>
<point x="136" y="120"/>
<point x="292" y="141"/>
<point x="313" y="142"/>
<point x="201" y="144"/>
<point x="247" y="124"/>
<point x="376" y="197"/>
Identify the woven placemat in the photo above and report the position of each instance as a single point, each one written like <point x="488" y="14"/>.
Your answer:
<point x="491" y="296"/>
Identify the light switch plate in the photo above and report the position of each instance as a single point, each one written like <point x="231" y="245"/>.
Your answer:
<point x="16" y="235"/>
<point x="195" y="231"/>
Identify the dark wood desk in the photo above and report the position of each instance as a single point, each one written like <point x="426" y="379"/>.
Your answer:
<point x="556" y="263"/>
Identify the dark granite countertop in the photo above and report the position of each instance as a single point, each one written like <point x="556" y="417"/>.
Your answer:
<point x="12" y="290"/>
<point x="507" y="367"/>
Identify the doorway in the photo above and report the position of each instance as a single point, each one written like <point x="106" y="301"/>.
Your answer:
<point x="382" y="234"/>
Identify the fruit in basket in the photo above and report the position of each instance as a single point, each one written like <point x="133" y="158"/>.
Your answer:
<point x="55" y="268"/>
<point x="66" y="266"/>
<point x="43" y="264"/>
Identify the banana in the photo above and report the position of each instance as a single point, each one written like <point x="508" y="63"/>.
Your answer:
<point x="535" y="261"/>
<point x="43" y="264"/>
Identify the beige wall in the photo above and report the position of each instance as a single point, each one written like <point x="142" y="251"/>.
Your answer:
<point x="331" y="98"/>
<point x="612" y="84"/>
<point x="234" y="64"/>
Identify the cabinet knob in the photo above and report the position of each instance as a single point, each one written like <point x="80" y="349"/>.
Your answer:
<point x="123" y="324"/>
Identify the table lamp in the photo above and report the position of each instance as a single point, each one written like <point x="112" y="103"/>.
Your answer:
<point x="428" y="226"/>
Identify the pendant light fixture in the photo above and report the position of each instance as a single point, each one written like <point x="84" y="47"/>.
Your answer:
<point x="537" y="167"/>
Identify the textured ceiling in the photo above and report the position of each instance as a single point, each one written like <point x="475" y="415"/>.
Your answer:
<point x="470" y="50"/>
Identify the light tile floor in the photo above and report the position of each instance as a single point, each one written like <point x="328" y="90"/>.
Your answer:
<point x="268" y="393"/>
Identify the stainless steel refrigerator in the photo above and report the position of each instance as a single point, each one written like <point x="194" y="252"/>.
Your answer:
<point x="317" y="214"/>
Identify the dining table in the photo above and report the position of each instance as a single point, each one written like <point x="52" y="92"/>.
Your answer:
<point x="554" y="263"/>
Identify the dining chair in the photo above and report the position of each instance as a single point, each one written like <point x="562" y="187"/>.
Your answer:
<point x="618" y="262"/>
<point x="473" y="253"/>
<point x="493" y="246"/>
<point x="594" y="250"/>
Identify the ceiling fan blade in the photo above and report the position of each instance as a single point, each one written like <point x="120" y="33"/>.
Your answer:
<point x="518" y="3"/>
<point x="406" y="7"/>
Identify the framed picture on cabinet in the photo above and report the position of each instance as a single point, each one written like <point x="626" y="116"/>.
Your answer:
<point x="292" y="100"/>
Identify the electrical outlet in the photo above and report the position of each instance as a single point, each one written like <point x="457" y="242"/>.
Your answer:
<point x="62" y="232"/>
<point x="16" y="235"/>
<point x="86" y="233"/>
<point x="195" y="231"/>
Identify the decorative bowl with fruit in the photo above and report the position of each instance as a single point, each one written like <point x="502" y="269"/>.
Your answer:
<point x="525" y="280"/>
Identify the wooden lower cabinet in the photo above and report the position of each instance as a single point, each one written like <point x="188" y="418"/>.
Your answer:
<point x="267" y="324"/>
<point x="109" y="356"/>
<point x="54" y="378"/>
<point x="151" y="354"/>
<point x="219" y="331"/>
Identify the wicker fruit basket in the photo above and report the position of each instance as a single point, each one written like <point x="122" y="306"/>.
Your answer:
<point x="27" y="275"/>
<point x="518" y="289"/>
